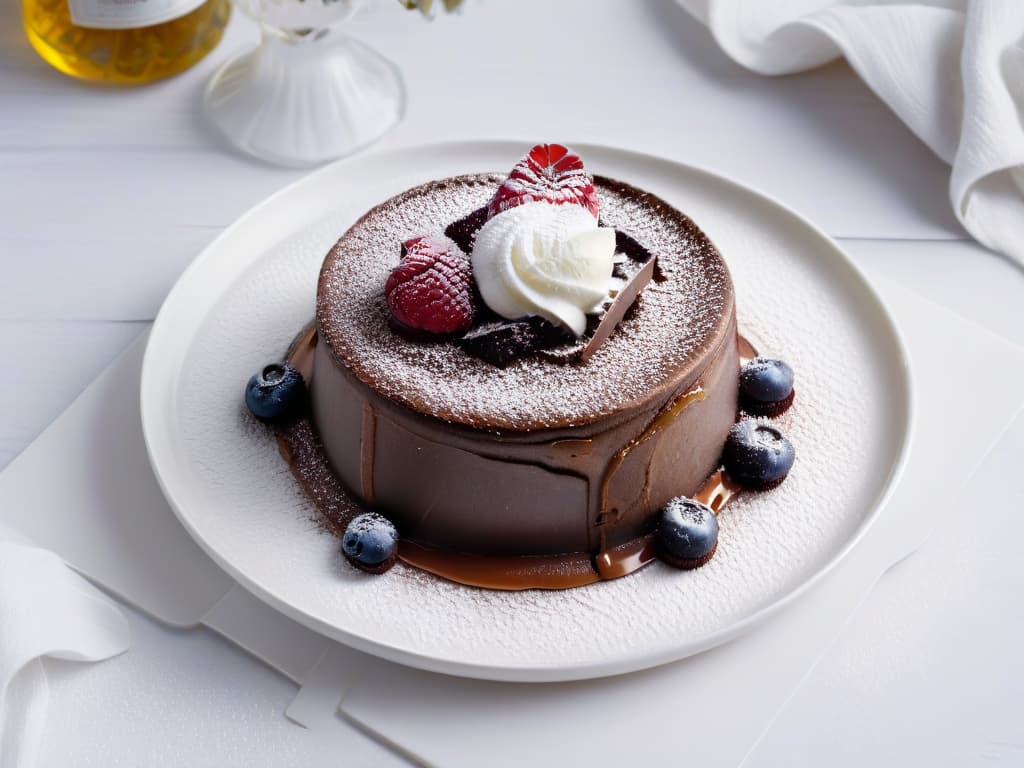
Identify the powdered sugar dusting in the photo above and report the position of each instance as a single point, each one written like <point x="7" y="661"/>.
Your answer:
<point x="794" y="301"/>
<point x="675" y="320"/>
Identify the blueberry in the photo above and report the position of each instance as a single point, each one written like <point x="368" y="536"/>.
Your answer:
<point x="370" y="542"/>
<point x="757" y="455"/>
<point x="687" y="533"/>
<point x="766" y="380"/>
<point x="766" y="386"/>
<point x="275" y="393"/>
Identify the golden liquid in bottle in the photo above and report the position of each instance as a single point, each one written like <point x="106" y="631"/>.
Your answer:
<point x="124" y="56"/>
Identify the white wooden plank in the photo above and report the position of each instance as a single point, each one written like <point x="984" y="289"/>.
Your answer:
<point x="187" y="699"/>
<point x="648" y="78"/>
<point x="929" y="670"/>
<point x="970" y="280"/>
<point x="92" y="274"/>
<point x="47" y="365"/>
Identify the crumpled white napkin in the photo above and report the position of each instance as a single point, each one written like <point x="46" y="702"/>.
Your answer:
<point x="46" y="609"/>
<point x="952" y="70"/>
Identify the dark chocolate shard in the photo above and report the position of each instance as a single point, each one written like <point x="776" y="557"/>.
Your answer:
<point x="500" y="343"/>
<point x="463" y="231"/>
<point x="583" y="348"/>
<point x="621" y="304"/>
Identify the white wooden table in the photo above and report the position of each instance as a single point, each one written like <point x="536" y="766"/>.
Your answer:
<point x="106" y="195"/>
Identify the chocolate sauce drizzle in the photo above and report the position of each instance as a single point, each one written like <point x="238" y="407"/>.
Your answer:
<point x="300" y="447"/>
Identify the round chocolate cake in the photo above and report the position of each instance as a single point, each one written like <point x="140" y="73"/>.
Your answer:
<point x="548" y="466"/>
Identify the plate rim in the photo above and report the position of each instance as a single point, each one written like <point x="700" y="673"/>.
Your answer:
<point x="150" y="404"/>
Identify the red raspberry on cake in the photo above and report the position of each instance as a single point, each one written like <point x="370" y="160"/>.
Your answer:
<point x="431" y="289"/>
<point x="548" y="172"/>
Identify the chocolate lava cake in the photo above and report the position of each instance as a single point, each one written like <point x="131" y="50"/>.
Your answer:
<point x="510" y="452"/>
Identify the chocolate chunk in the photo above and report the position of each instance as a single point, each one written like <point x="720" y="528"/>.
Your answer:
<point x="637" y="254"/>
<point x="626" y="245"/>
<point x="502" y="342"/>
<point x="463" y="231"/>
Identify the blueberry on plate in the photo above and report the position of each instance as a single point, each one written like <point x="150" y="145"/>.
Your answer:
<point x="687" y="534"/>
<point x="757" y="455"/>
<point x="275" y="393"/>
<point x="766" y="387"/>
<point x="370" y="543"/>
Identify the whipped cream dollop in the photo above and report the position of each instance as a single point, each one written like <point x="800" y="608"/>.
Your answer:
<point x="544" y="259"/>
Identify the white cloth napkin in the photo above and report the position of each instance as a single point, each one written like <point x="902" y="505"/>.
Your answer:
<point x="45" y="610"/>
<point x="952" y="70"/>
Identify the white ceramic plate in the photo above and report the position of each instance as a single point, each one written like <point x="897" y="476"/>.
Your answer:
<point x="251" y="290"/>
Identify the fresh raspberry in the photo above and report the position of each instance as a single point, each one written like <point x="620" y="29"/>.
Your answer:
<point x="548" y="172"/>
<point x="431" y="289"/>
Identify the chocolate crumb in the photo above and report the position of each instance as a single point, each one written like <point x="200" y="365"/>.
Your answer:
<point x="463" y="231"/>
<point x="499" y="343"/>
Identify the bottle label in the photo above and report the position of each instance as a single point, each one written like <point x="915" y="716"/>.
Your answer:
<point x="128" y="14"/>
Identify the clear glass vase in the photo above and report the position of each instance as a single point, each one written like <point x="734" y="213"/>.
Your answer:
<point x="309" y="92"/>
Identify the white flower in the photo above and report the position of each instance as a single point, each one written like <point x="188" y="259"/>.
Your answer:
<point x="426" y="6"/>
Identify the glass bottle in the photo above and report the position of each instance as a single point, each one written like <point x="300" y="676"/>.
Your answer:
<point x="310" y="92"/>
<point x="127" y="43"/>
